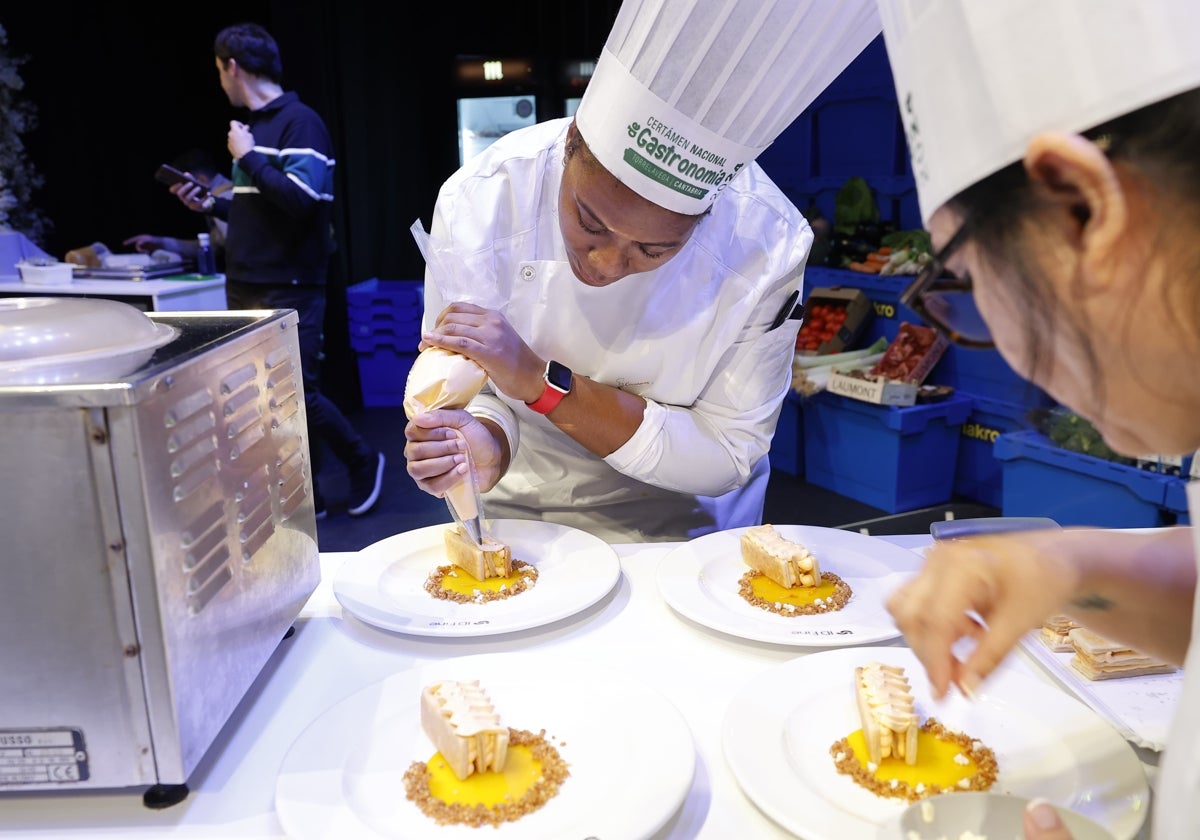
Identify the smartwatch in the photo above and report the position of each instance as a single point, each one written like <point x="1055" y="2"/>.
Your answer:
<point x="558" y="384"/>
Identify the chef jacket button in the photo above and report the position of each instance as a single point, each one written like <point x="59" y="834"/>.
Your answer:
<point x="527" y="272"/>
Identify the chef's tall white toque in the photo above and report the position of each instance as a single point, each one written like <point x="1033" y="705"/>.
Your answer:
<point x="977" y="80"/>
<point x="687" y="92"/>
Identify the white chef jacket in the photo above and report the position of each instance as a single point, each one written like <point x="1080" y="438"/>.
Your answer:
<point x="1176" y="799"/>
<point x="692" y="338"/>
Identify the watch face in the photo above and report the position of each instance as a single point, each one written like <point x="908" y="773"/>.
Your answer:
<point x="559" y="376"/>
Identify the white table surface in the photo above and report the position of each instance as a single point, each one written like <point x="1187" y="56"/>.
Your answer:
<point x="160" y="295"/>
<point x="332" y="656"/>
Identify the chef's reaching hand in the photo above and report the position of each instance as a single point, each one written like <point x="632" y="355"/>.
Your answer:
<point x="1010" y="582"/>
<point x="437" y="457"/>
<point x="486" y="337"/>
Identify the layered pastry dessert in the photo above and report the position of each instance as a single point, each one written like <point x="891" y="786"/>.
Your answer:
<point x="1098" y="658"/>
<point x="478" y="573"/>
<point x="483" y="773"/>
<point x="785" y="577"/>
<point x="895" y="755"/>
<point x="1056" y="633"/>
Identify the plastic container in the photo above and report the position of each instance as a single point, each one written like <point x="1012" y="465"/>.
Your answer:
<point x="1175" y="506"/>
<point x="985" y="373"/>
<point x="382" y="372"/>
<point x="979" y="475"/>
<point x="895" y="459"/>
<point x="1042" y="479"/>
<point x="38" y="271"/>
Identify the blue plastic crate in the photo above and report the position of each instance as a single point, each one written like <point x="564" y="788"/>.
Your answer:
<point x="896" y="459"/>
<point x="402" y="342"/>
<point x="1175" y="504"/>
<point x="382" y="373"/>
<point x="979" y="474"/>
<point x="375" y="294"/>
<point x="883" y="293"/>
<point x="985" y="373"/>
<point x="1043" y="479"/>
<point x="787" y="447"/>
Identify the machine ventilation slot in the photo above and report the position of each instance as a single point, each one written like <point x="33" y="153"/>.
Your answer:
<point x="201" y="452"/>
<point x="202" y="523"/>
<point x="252" y="541"/>
<point x="237" y="378"/>
<point x="237" y="402"/>
<point x="291" y="483"/>
<point x="277" y="357"/>
<point x="208" y="543"/>
<point x="190" y="430"/>
<point x="195" y="479"/>
<point x="186" y="407"/>
<point x="246" y="439"/>
<point x="285" y="374"/>
<point x="288" y="450"/>
<point x="254" y="512"/>
<point x="208" y="571"/>
<point x="199" y="600"/>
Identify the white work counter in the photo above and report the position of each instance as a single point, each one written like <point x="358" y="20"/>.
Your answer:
<point x="197" y="294"/>
<point x="333" y="656"/>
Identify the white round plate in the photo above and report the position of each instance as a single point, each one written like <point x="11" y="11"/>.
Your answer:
<point x="630" y="754"/>
<point x="384" y="583"/>
<point x="778" y="731"/>
<point x="700" y="581"/>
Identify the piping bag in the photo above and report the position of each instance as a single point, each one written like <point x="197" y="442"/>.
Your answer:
<point x="443" y="379"/>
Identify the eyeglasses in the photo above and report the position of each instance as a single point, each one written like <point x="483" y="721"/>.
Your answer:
<point x="947" y="302"/>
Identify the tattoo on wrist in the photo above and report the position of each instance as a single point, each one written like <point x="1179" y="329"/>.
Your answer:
<point x="1097" y="603"/>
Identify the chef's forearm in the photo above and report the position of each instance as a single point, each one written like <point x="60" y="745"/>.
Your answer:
<point x="598" y="417"/>
<point x="1137" y="588"/>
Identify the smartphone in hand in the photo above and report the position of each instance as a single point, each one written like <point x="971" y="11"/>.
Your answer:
<point x="169" y="175"/>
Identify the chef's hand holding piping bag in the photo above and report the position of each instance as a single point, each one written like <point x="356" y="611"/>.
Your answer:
<point x="443" y="379"/>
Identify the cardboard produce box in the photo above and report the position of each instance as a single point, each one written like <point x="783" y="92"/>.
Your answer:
<point x="833" y="320"/>
<point x="896" y="378"/>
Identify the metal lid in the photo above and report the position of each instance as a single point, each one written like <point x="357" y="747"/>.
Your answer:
<point x="51" y="340"/>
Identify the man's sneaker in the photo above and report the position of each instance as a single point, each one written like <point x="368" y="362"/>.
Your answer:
<point x="365" y="484"/>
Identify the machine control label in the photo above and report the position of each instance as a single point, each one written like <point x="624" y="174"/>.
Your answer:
<point x="40" y="756"/>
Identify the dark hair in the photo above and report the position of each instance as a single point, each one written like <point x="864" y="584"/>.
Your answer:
<point x="1158" y="143"/>
<point x="252" y="47"/>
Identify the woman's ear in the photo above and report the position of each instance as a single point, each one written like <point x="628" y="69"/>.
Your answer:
<point x="1081" y="183"/>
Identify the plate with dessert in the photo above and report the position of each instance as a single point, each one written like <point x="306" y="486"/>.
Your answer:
<point x="435" y="582"/>
<point x="838" y="743"/>
<point x="788" y="584"/>
<point x="501" y="743"/>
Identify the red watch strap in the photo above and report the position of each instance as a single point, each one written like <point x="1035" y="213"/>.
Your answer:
<point x="547" y="402"/>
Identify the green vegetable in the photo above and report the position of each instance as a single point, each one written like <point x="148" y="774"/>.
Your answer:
<point x="833" y="359"/>
<point x="854" y="205"/>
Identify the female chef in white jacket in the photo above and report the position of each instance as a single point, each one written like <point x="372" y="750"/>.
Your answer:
<point x="1061" y="177"/>
<point x="637" y="259"/>
<point x="666" y="321"/>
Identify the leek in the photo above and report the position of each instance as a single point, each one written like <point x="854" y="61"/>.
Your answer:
<point x="829" y="359"/>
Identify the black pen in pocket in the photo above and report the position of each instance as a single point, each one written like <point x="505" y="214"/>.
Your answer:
<point x="790" y="311"/>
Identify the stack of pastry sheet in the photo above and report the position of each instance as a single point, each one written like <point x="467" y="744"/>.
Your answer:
<point x="1055" y="633"/>
<point x="887" y="712"/>
<point x="787" y="563"/>
<point x="1098" y="658"/>
<point x="459" y="718"/>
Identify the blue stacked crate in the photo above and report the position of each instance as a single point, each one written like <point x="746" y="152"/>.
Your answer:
<point x="883" y="293"/>
<point x="896" y="459"/>
<point x="385" y="329"/>
<point x="1043" y="479"/>
<point x="979" y="474"/>
<point x="787" y="447"/>
<point x="1175" y="506"/>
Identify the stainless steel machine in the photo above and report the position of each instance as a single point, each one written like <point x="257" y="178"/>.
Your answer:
<point x="157" y="540"/>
